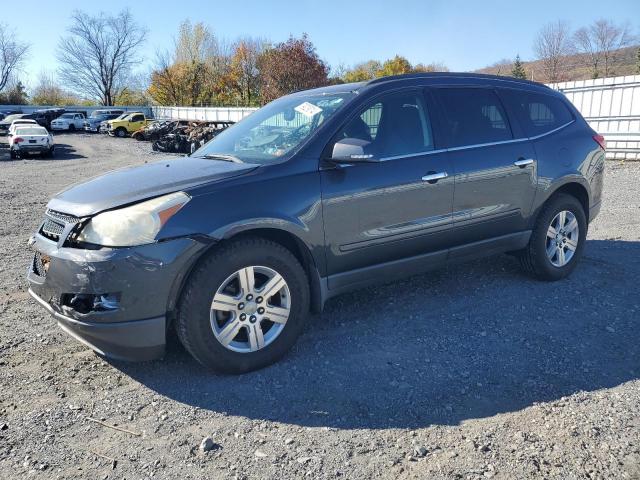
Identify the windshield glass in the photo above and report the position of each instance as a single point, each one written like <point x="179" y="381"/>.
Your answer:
<point x="67" y="115"/>
<point x="31" y="131"/>
<point x="276" y="130"/>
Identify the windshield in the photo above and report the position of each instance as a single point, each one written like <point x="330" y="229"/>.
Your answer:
<point x="67" y="115"/>
<point x="276" y="130"/>
<point x="10" y="118"/>
<point x="31" y="131"/>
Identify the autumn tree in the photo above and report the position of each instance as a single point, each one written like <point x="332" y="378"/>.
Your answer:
<point x="395" y="66"/>
<point x="99" y="52"/>
<point x="291" y="66"/>
<point x="15" y="94"/>
<point x="552" y="45"/>
<point x="244" y="71"/>
<point x="430" y="67"/>
<point x="518" y="71"/>
<point x="13" y="53"/>
<point x="638" y="61"/>
<point x="363" y="71"/>
<point x="49" y="92"/>
<point x="599" y="43"/>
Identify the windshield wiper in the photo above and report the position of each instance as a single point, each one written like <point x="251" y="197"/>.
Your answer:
<point x="223" y="157"/>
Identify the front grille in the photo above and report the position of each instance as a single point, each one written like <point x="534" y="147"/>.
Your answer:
<point x="55" y="223"/>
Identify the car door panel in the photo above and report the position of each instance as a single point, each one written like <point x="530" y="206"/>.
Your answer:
<point x="381" y="212"/>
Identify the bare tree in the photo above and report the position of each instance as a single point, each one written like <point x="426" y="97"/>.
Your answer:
<point x="552" y="45"/>
<point x="13" y="53"/>
<point x="600" y="41"/>
<point x="99" y="52"/>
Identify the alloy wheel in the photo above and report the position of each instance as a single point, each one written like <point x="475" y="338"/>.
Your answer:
<point x="562" y="238"/>
<point x="250" y="309"/>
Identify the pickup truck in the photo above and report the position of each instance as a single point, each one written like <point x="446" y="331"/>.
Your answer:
<point x="121" y="127"/>
<point x="69" y="121"/>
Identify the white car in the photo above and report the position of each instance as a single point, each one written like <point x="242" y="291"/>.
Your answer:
<point x="17" y="123"/>
<point x="29" y="139"/>
<point x="69" y="122"/>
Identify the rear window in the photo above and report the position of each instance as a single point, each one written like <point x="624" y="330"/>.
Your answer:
<point x="31" y="131"/>
<point x="538" y="113"/>
<point x="473" y="116"/>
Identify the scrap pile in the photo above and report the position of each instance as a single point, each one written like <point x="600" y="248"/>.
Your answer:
<point x="181" y="137"/>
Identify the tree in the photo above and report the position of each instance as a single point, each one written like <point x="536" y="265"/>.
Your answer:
<point x="13" y="53"/>
<point x="599" y="42"/>
<point x="518" y="69"/>
<point x="552" y="45"/>
<point x="396" y="66"/>
<point x="363" y="71"/>
<point x="244" y="69"/>
<point x="291" y="66"/>
<point x="638" y="61"/>
<point x="430" y="67"/>
<point x="15" y="95"/>
<point x="48" y="92"/>
<point x="99" y="52"/>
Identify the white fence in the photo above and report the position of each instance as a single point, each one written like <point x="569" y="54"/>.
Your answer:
<point x="612" y="108"/>
<point x="210" y="114"/>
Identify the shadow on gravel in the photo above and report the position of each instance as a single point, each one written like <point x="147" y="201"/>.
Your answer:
<point x="63" y="152"/>
<point x="469" y="341"/>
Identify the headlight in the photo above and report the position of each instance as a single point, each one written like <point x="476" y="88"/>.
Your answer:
<point x="135" y="225"/>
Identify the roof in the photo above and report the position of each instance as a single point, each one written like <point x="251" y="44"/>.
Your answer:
<point x="463" y="76"/>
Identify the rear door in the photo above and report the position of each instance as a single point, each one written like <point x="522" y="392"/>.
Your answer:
<point x="394" y="208"/>
<point x="494" y="165"/>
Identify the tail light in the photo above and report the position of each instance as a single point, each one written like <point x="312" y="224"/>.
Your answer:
<point x="600" y="141"/>
<point x="18" y="140"/>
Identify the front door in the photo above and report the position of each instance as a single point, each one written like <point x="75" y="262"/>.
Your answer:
<point x="396" y="207"/>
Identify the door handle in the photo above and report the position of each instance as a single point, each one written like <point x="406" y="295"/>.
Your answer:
<point x="434" y="177"/>
<point x="523" y="162"/>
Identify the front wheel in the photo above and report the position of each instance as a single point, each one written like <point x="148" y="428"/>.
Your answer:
<point x="121" y="132"/>
<point x="244" y="306"/>
<point x="557" y="239"/>
<point x="72" y="128"/>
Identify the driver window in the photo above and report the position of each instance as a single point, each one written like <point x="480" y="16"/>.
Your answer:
<point x="395" y="125"/>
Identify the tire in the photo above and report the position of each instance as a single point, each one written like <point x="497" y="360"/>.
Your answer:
<point x="196" y="318"/>
<point x="535" y="259"/>
<point x="13" y="155"/>
<point x="121" y="132"/>
<point x="72" y="128"/>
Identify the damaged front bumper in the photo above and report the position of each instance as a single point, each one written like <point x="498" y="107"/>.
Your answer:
<point x="115" y="300"/>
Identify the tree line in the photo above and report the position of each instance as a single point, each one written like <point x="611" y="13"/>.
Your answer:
<point x="99" y="57"/>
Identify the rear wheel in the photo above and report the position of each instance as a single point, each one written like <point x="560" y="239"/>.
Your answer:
<point x="244" y="306"/>
<point x="557" y="239"/>
<point x="72" y="127"/>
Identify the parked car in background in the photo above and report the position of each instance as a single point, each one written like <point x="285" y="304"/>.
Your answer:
<point x="8" y="120"/>
<point x="29" y="140"/>
<point x="5" y="113"/>
<point x="19" y="122"/>
<point x="94" y="122"/>
<point x="127" y="124"/>
<point x="68" y="121"/>
<point x="318" y="193"/>
<point x="44" y="117"/>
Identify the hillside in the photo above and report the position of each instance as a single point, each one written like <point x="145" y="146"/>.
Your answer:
<point x="577" y="66"/>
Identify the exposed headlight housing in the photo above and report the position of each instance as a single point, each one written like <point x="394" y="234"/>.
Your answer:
<point x="134" y="225"/>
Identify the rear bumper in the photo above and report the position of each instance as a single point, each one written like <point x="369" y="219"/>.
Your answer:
<point x="32" y="149"/>
<point x="140" y="340"/>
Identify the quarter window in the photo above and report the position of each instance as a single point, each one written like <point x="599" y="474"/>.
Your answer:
<point x="538" y="113"/>
<point x="473" y="116"/>
<point x="394" y="125"/>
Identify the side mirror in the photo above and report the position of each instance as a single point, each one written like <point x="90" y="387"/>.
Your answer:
<point x="351" y="150"/>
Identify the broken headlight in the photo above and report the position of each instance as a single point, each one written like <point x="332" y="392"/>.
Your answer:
<point x="134" y="225"/>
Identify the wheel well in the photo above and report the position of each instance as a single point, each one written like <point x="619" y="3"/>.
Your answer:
<point x="299" y="250"/>
<point x="578" y="191"/>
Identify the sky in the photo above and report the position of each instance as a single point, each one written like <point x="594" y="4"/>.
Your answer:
<point x="464" y="35"/>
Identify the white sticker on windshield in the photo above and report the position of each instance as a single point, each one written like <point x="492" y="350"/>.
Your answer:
<point x="308" y="109"/>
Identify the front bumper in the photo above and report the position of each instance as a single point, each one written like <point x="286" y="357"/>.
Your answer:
<point x="144" y="280"/>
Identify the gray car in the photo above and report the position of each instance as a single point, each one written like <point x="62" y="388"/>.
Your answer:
<point x="317" y="193"/>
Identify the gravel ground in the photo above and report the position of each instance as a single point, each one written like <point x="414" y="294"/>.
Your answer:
<point x="473" y="371"/>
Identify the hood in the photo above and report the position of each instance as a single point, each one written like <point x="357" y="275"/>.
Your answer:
<point x="129" y="185"/>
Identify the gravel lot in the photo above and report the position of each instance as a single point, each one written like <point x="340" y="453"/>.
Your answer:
<point x="473" y="371"/>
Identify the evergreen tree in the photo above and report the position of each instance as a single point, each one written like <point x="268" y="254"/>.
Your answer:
<point x="518" y="69"/>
